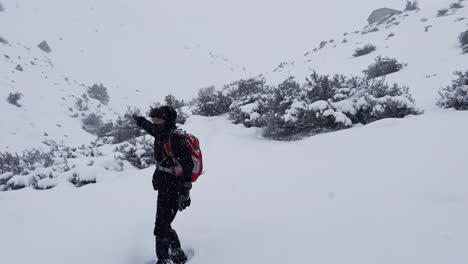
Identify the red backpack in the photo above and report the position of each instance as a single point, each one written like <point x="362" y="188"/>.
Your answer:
<point x="193" y="145"/>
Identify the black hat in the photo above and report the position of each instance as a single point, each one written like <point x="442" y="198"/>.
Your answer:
<point x="167" y="113"/>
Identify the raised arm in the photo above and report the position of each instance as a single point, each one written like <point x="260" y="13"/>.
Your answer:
<point x="145" y="124"/>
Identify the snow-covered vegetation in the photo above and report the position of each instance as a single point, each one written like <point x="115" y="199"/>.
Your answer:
<point x="364" y="50"/>
<point x="456" y="94"/>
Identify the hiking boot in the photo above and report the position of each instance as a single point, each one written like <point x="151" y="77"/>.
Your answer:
<point x="163" y="261"/>
<point x="178" y="256"/>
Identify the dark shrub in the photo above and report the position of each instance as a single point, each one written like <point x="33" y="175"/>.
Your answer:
<point x="3" y="40"/>
<point x="442" y="12"/>
<point x="99" y="92"/>
<point x="382" y="67"/>
<point x="125" y="127"/>
<point x="211" y="102"/>
<point x="13" y="98"/>
<point x="455" y="95"/>
<point x="173" y="102"/>
<point x="92" y="123"/>
<point x="411" y="5"/>
<point x="463" y="38"/>
<point x="456" y="6"/>
<point x="105" y="129"/>
<point x="364" y="50"/>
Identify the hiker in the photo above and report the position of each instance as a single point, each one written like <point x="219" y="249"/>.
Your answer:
<point x="173" y="191"/>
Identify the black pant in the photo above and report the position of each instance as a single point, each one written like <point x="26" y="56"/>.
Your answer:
<point x="166" y="237"/>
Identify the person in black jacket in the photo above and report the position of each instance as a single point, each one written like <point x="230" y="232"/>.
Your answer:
<point x="173" y="191"/>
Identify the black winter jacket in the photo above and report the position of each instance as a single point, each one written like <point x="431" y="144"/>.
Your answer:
<point x="163" y="180"/>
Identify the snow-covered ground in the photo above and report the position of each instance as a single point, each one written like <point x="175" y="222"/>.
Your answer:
<point x="390" y="192"/>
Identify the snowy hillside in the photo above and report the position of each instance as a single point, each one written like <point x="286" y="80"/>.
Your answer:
<point x="427" y="43"/>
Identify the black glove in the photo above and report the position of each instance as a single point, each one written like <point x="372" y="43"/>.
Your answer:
<point x="138" y="119"/>
<point x="184" y="196"/>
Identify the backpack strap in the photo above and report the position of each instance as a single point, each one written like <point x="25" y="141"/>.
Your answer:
<point x="177" y="168"/>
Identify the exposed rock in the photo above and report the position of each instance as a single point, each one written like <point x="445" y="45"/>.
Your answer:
<point x="381" y="14"/>
<point x="44" y="46"/>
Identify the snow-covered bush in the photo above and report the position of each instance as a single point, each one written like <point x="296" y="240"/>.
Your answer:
<point x="331" y="103"/>
<point x="375" y="100"/>
<point x="105" y="129"/>
<point x="139" y="152"/>
<point x="383" y="66"/>
<point x="125" y="127"/>
<point x="456" y="94"/>
<point x="210" y="102"/>
<point x="250" y="99"/>
<point x="297" y="111"/>
<point x="364" y="50"/>
<point x="92" y="123"/>
<point x="411" y="5"/>
<point x="13" y="98"/>
<point x="463" y="38"/>
<point x="442" y="12"/>
<point x="99" y="92"/>
<point x="3" y="40"/>
<point x="172" y="101"/>
<point x="1" y="7"/>
<point x="456" y="5"/>
<point x="81" y="103"/>
<point x="37" y="168"/>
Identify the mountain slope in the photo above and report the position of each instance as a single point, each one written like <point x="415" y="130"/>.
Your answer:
<point x="431" y="56"/>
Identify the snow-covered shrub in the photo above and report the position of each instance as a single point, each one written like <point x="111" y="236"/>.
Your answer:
<point x="16" y="168"/>
<point x="383" y="66"/>
<point x="210" y="102"/>
<point x="442" y="12"/>
<point x="44" y="46"/>
<point x="181" y="116"/>
<point x="172" y="101"/>
<point x="364" y="50"/>
<point x="80" y="180"/>
<point x="331" y="103"/>
<point x="1" y="7"/>
<point x="99" y="92"/>
<point x="125" y="127"/>
<point x="39" y="169"/>
<point x="81" y="103"/>
<point x="463" y="38"/>
<point x="296" y="111"/>
<point x="455" y="95"/>
<point x="13" y="98"/>
<point x="456" y="5"/>
<point x="139" y="152"/>
<point x="250" y="99"/>
<point x="92" y="123"/>
<point x="375" y="100"/>
<point x="3" y="40"/>
<point x="411" y="5"/>
<point x="105" y="129"/>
